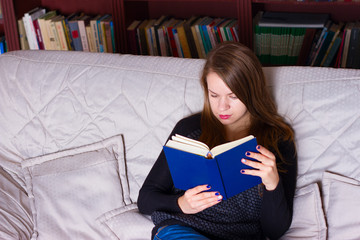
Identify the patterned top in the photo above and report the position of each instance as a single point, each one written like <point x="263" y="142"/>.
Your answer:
<point x="252" y="214"/>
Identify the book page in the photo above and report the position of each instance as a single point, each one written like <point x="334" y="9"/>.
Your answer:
<point x="187" y="147"/>
<point x="189" y="141"/>
<point x="227" y="146"/>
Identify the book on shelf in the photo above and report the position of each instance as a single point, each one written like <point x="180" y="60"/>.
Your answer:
<point x="192" y="163"/>
<point x="24" y="44"/>
<point x="306" y="46"/>
<point x="41" y="21"/>
<point x="353" y="58"/>
<point x="3" y="45"/>
<point x="74" y="33"/>
<point x="325" y="43"/>
<point x="190" y="38"/>
<point x="336" y="28"/>
<point x="28" y="19"/>
<point x="83" y="21"/>
<point x="133" y="37"/>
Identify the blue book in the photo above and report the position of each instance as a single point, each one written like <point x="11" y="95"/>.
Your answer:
<point x="75" y="35"/>
<point x="192" y="163"/>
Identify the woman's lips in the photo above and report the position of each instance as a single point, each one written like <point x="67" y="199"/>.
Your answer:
<point x="224" y="116"/>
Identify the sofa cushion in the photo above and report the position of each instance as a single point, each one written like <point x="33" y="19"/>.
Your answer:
<point x="341" y="205"/>
<point x="126" y="223"/>
<point x="70" y="189"/>
<point x="15" y="213"/>
<point x="308" y="217"/>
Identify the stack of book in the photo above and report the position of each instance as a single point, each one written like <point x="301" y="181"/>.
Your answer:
<point x="336" y="45"/>
<point x="306" y="39"/>
<point x="187" y="38"/>
<point x="279" y="36"/>
<point x="42" y="30"/>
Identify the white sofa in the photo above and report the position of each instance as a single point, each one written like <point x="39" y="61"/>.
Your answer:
<point x="80" y="131"/>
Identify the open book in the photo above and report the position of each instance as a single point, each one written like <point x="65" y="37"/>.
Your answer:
<point x="192" y="163"/>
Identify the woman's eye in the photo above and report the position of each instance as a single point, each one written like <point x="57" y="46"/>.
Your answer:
<point x="213" y="95"/>
<point x="233" y="97"/>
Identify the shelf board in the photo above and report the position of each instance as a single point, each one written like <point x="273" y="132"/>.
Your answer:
<point x="339" y="11"/>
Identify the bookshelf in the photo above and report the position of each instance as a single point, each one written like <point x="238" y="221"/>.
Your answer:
<point x="125" y="11"/>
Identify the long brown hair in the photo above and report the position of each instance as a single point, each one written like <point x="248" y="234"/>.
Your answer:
<point x="242" y="72"/>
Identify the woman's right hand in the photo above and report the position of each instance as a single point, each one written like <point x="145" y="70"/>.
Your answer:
<point x="196" y="199"/>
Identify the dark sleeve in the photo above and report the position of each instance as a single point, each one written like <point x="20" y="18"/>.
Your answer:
<point x="277" y="208"/>
<point x="157" y="191"/>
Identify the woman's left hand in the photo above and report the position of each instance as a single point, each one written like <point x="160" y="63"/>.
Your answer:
<point x="265" y="168"/>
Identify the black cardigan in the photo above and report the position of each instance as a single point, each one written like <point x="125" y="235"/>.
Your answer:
<point x="269" y="215"/>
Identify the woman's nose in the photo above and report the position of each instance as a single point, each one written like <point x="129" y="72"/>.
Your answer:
<point x="223" y="104"/>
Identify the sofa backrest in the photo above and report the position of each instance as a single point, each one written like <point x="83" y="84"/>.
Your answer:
<point x="53" y="100"/>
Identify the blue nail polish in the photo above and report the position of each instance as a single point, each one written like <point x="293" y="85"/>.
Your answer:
<point x="258" y="147"/>
<point x="208" y="186"/>
<point x="247" y="153"/>
<point x="242" y="171"/>
<point x="217" y="194"/>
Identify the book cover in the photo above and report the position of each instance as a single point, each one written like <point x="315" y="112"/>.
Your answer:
<point x="222" y="172"/>
<point x="44" y="29"/>
<point x="108" y="36"/>
<point x="154" y="31"/>
<point x="95" y="32"/>
<point x="132" y="37"/>
<point x="84" y="21"/>
<point x="75" y="34"/>
<point x="347" y="32"/>
<point x="141" y="33"/>
<point x="183" y="40"/>
<point x="334" y="49"/>
<point x="353" y="58"/>
<point x="171" y="38"/>
<point x="336" y="28"/>
<point x="100" y="33"/>
<point x="22" y="35"/>
<point x="58" y="21"/>
<point x="306" y="46"/>
<point x="197" y="39"/>
<point x="323" y="47"/>
<point x="190" y="37"/>
<point x="28" y="19"/>
<point x="52" y="26"/>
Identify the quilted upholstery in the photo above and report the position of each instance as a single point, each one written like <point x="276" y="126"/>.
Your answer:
<point x="51" y="102"/>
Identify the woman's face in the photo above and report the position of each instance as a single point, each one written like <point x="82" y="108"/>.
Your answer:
<point x="225" y="106"/>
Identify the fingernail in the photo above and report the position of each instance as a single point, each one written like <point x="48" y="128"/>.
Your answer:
<point x="219" y="197"/>
<point x="242" y="171"/>
<point x="208" y="186"/>
<point x="258" y="147"/>
<point x="217" y="194"/>
<point x="243" y="160"/>
<point x="247" y="153"/>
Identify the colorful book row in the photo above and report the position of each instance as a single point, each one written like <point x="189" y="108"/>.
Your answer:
<point x="187" y="38"/>
<point x="41" y="30"/>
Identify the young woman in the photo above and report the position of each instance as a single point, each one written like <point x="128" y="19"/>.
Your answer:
<point x="237" y="103"/>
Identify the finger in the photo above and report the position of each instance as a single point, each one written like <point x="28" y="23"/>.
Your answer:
<point x="261" y="158"/>
<point x="253" y="164"/>
<point x="265" y="152"/>
<point x="198" y="189"/>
